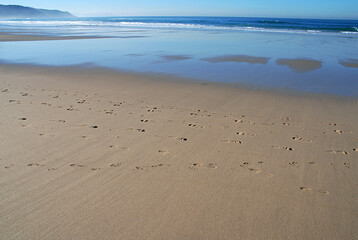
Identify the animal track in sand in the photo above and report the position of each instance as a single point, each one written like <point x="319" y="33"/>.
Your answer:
<point x="239" y="121"/>
<point x="338" y="131"/>
<point x="305" y="189"/>
<point x="95" y="169"/>
<point x="51" y="169"/>
<point x="355" y="149"/>
<point x="288" y="149"/>
<point x="144" y="120"/>
<point x="347" y="165"/>
<point x="338" y="151"/>
<point x="23" y="119"/>
<point x="94" y="127"/>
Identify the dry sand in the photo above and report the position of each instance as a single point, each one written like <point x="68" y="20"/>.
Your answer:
<point x="95" y="154"/>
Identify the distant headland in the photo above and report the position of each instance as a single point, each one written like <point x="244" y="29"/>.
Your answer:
<point x="17" y="11"/>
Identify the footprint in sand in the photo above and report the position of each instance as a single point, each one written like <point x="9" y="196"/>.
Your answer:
<point x="240" y="133"/>
<point x="144" y="120"/>
<point x="153" y="166"/>
<point x="355" y="149"/>
<point x="76" y="165"/>
<point x="231" y="141"/>
<point x="196" y="166"/>
<point x="347" y="165"/>
<point x="9" y="166"/>
<point x="255" y="170"/>
<point x="118" y="147"/>
<point x="35" y="165"/>
<point x="305" y="189"/>
<point x="86" y="137"/>
<point x="47" y="135"/>
<point x="338" y="151"/>
<point x="295" y="164"/>
<point x="239" y="121"/>
<point x="95" y="169"/>
<point x="338" y="131"/>
<point x="115" y="164"/>
<point x="163" y="152"/>
<point x="323" y="192"/>
<point x="94" y="127"/>
<point x="288" y="149"/>
<point x="301" y="139"/>
<point x="152" y="109"/>
<point x="22" y="119"/>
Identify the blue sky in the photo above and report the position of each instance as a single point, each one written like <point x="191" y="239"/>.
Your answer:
<point x="344" y="9"/>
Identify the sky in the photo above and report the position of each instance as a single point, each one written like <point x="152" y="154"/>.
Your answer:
<point x="333" y="9"/>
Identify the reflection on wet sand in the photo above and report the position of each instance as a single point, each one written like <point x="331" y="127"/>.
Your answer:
<point x="300" y="65"/>
<point x="238" y="59"/>
<point x="172" y="58"/>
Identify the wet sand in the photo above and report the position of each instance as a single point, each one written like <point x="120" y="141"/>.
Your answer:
<point x="97" y="154"/>
<point x="5" y="37"/>
<point x="352" y="63"/>
<point x="238" y="59"/>
<point x="300" y="65"/>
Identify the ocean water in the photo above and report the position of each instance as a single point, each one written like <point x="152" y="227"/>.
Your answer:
<point x="247" y="51"/>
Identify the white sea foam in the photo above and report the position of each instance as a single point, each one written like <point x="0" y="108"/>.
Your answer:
<point x="120" y="24"/>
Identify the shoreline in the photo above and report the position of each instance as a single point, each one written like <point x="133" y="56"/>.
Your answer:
<point x="9" y="37"/>
<point x="95" y="153"/>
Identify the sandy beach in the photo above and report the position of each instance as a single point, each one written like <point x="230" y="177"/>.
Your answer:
<point x="91" y="153"/>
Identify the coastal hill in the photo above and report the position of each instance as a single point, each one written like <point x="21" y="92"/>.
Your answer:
<point x="16" y="11"/>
